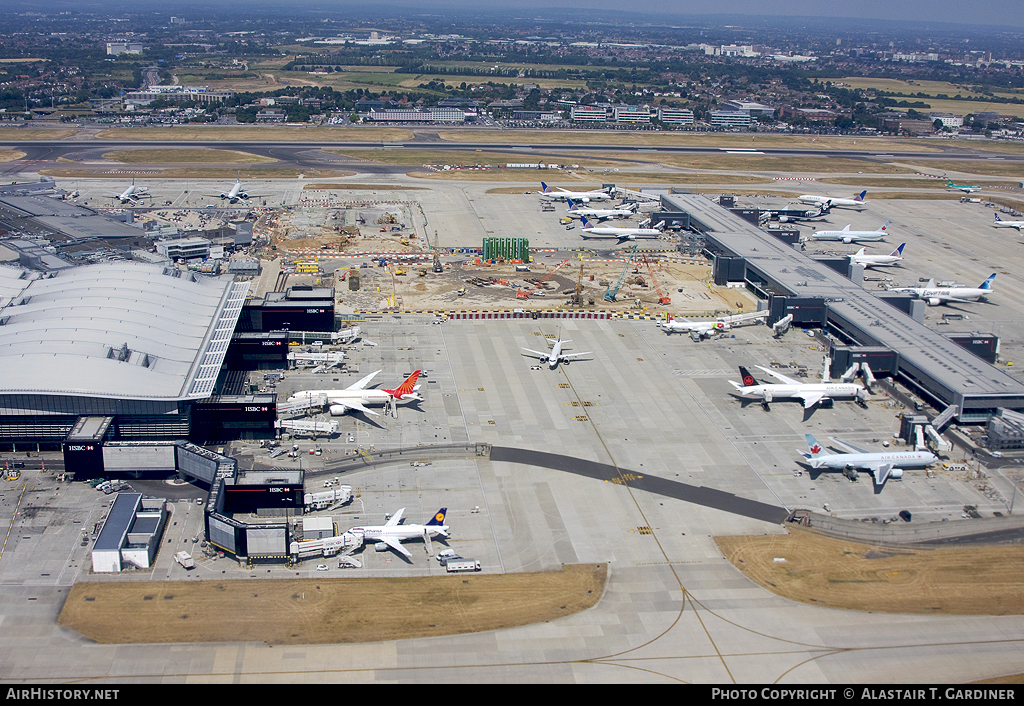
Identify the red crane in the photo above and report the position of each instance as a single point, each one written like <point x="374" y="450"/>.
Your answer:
<point x="525" y="294"/>
<point x="662" y="299"/>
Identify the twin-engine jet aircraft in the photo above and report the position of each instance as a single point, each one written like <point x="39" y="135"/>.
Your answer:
<point x="356" y="397"/>
<point x="856" y="202"/>
<point x="862" y="258"/>
<point x="882" y="465"/>
<point x="787" y="388"/>
<point x="849" y="236"/>
<point x="555" y="355"/>
<point x="940" y="295"/>
<point x="133" y="194"/>
<point x="564" y="194"/>
<point x="600" y="214"/>
<point x="392" y="534"/>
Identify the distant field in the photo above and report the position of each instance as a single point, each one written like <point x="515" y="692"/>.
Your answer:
<point x="10" y="155"/>
<point x="784" y="164"/>
<point x="14" y="134"/>
<point x="821" y="571"/>
<point x="689" y="139"/>
<point x="265" y="133"/>
<point x="198" y="173"/>
<point x="185" y="156"/>
<point x="988" y="167"/>
<point x="326" y="610"/>
<point x="412" y="157"/>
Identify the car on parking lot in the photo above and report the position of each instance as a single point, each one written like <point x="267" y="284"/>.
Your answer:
<point x="321" y="567"/>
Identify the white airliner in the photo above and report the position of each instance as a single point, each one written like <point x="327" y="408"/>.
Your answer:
<point x="940" y="295"/>
<point x="392" y="534"/>
<point x="236" y="193"/>
<point x="704" y="329"/>
<point x="133" y="194"/>
<point x="620" y="233"/>
<point x="862" y="258"/>
<point x="1000" y="223"/>
<point x="576" y="211"/>
<point x="850" y="236"/>
<point x="966" y="188"/>
<point x="883" y="465"/>
<point x="809" y="393"/>
<point x="356" y="397"/>
<point x="564" y="194"/>
<point x="856" y="202"/>
<point x="555" y="355"/>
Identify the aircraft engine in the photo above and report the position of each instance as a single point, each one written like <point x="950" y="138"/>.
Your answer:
<point x="337" y="410"/>
<point x="896" y="473"/>
<point x="244" y="195"/>
<point x="783" y="219"/>
<point x="933" y="301"/>
<point x="847" y="240"/>
<point x="223" y="195"/>
<point x="380" y="547"/>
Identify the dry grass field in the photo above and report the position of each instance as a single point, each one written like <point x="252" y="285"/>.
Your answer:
<point x="10" y="155"/>
<point x="185" y="156"/>
<point x="16" y="134"/>
<point x="977" y="580"/>
<point x="254" y="133"/>
<point x="687" y="139"/>
<point x="197" y="173"/>
<point x="648" y="178"/>
<point x="326" y="610"/>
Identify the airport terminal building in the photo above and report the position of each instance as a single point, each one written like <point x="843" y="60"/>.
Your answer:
<point x="115" y="351"/>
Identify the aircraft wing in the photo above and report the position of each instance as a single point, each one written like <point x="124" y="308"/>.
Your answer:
<point x="395" y="519"/>
<point x="540" y="355"/>
<point x="810" y="398"/>
<point x="396" y="545"/>
<point x="352" y="404"/>
<point x="362" y="383"/>
<point x="574" y="355"/>
<point x="849" y="447"/>
<point x="780" y="377"/>
<point x="881" y="471"/>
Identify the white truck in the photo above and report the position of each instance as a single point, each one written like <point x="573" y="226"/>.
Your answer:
<point x="461" y="565"/>
<point x="185" y="559"/>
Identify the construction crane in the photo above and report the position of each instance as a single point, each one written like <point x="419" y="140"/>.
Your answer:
<point x="437" y="255"/>
<point x="612" y="292"/>
<point x="662" y="299"/>
<point x="577" y="293"/>
<point x="525" y="294"/>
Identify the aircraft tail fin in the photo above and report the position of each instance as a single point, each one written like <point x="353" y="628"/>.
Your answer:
<point x="898" y="252"/>
<point x="987" y="284"/>
<point x="997" y="218"/>
<point x="407" y="387"/>
<point x="438" y="518"/>
<point x="861" y="195"/>
<point x="814" y="449"/>
<point x="885" y="225"/>
<point x="572" y="205"/>
<point x="746" y="377"/>
<point x="544" y="188"/>
<point x="587" y="225"/>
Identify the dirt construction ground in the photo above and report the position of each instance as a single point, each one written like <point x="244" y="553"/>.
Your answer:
<point x="811" y="568"/>
<point x="326" y="611"/>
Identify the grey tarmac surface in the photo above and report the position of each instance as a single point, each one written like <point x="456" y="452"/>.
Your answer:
<point x="645" y="404"/>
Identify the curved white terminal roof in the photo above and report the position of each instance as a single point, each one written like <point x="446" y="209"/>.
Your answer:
<point x="115" y="330"/>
